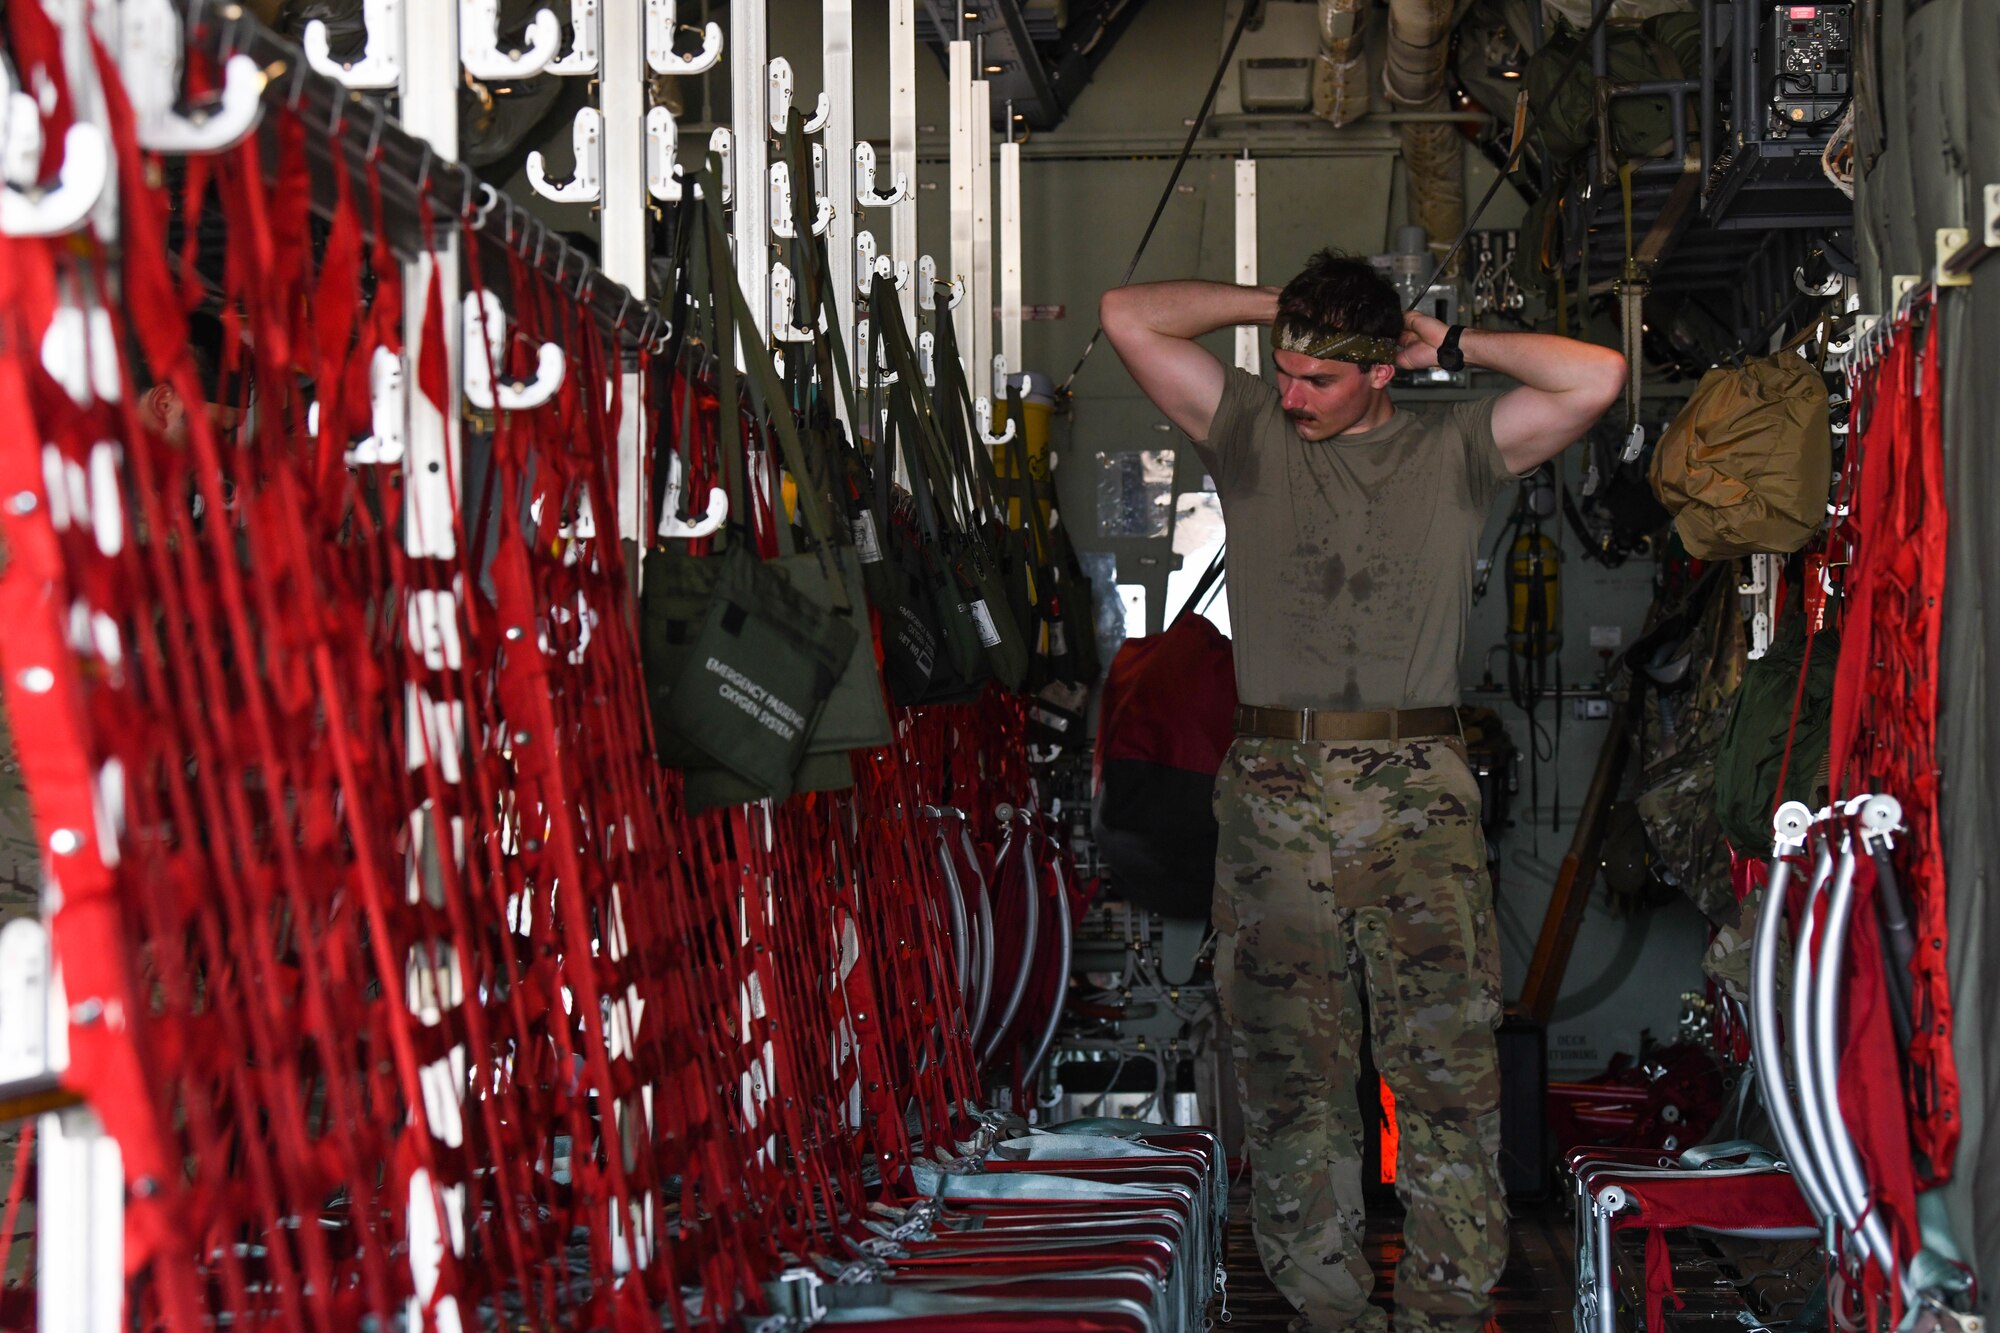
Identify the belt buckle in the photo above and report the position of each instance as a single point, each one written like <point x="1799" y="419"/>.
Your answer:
<point x="1305" y="725"/>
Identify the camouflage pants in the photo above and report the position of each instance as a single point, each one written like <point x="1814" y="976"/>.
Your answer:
<point x="1349" y="872"/>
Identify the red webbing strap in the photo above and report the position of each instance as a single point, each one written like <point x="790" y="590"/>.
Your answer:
<point x="1871" y="1083"/>
<point x="1886" y="690"/>
<point x="1702" y="1199"/>
<point x="34" y="49"/>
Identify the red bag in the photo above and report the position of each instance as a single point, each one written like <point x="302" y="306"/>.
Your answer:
<point x="1167" y="718"/>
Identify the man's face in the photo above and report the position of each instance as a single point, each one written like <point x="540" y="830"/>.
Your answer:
<point x="1325" y="398"/>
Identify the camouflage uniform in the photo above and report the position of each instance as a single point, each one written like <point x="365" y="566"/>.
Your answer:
<point x="1344" y="867"/>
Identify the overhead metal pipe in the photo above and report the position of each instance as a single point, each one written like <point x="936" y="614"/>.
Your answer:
<point x="1414" y="65"/>
<point x="1340" y="74"/>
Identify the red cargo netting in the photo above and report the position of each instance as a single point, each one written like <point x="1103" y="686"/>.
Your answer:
<point x="396" y="968"/>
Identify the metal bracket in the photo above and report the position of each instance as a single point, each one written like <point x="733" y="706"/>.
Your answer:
<point x="663" y="171"/>
<point x="661" y="27"/>
<point x="381" y="63"/>
<point x="486" y="327"/>
<point x="927" y="357"/>
<point x="982" y="408"/>
<point x="675" y="527"/>
<point x="388" y="411"/>
<point x="26" y="209"/>
<point x="1951" y="240"/>
<point x="795" y="1297"/>
<point x="782" y="225"/>
<point x="586" y="186"/>
<point x="582" y="59"/>
<point x="783" y="87"/>
<point x="864" y="180"/>
<point x="1763" y="587"/>
<point x="479" y="42"/>
<point x="784" y="304"/>
<point x="150" y="58"/>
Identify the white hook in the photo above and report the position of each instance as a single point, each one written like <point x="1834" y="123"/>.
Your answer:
<point x="586" y="185"/>
<point x="661" y="27"/>
<point x="864" y="261"/>
<point x="673" y="526"/>
<point x="381" y="63"/>
<point x="927" y="357"/>
<point x="864" y="180"/>
<point x="983" y="409"/>
<point x="479" y="42"/>
<point x="883" y="375"/>
<point x="582" y="58"/>
<point x="387" y="408"/>
<point x="781" y="206"/>
<point x="1000" y="375"/>
<point x="783" y="85"/>
<point x="784" y="304"/>
<point x="62" y="207"/>
<point x="483" y="316"/>
<point x="722" y="142"/>
<point x="927" y="280"/>
<point x="150" y="59"/>
<point x="663" y="173"/>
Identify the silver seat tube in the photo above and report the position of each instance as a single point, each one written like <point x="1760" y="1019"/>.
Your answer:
<point x="1805" y="1068"/>
<point x="1791" y="826"/>
<point x="1825" y="1047"/>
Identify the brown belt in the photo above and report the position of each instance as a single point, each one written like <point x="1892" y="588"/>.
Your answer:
<point x="1312" y="724"/>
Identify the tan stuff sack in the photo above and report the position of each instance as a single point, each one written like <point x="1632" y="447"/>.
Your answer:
<point x="1745" y="467"/>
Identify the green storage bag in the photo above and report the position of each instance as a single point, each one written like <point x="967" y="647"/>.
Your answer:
<point x="757" y="671"/>
<point x="1753" y="744"/>
<point x="1565" y="115"/>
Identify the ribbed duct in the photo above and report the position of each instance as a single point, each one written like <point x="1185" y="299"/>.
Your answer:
<point x="1340" y="75"/>
<point x="1413" y="76"/>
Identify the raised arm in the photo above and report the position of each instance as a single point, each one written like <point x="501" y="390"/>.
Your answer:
<point x="1565" y="386"/>
<point x="1153" y="327"/>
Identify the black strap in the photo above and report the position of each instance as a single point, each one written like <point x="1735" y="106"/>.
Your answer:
<point x="1208" y="580"/>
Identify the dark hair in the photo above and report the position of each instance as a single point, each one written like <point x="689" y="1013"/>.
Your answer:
<point x="1342" y="294"/>
<point x="204" y="346"/>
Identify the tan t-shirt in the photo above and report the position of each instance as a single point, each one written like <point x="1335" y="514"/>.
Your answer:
<point x="1351" y="559"/>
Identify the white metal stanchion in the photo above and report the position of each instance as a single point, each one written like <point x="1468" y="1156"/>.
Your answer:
<point x="903" y="143"/>
<point x="431" y="469"/>
<point x="979" y="351"/>
<point x="1010" y="258"/>
<point x="837" y="46"/>
<point x="627" y="211"/>
<point x="80" y="1208"/>
<point x="749" y="112"/>
<point x="959" y="264"/>
<point x="1246" y="255"/>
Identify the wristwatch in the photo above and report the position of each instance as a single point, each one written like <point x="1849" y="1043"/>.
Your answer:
<point x="1449" y="356"/>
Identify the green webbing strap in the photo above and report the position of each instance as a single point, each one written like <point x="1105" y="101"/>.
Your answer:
<point x="767" y="394"/>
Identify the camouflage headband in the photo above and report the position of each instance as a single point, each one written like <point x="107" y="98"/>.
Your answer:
<point x="1361" y="349"/>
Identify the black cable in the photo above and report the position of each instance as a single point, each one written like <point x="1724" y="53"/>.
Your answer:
<point x="1194" y="132"/>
